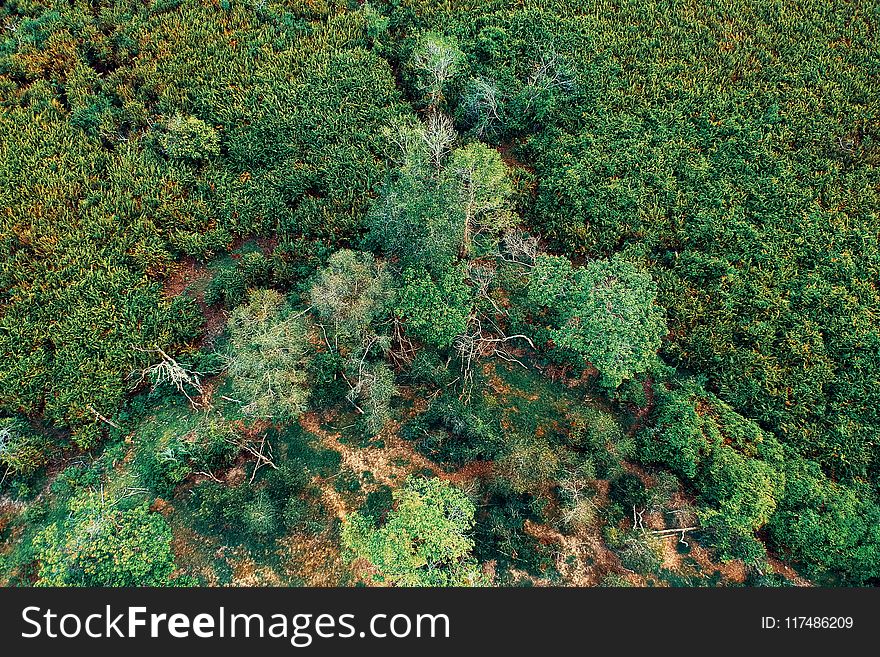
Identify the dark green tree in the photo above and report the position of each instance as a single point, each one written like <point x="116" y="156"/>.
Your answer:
<point x="603" y="312"/>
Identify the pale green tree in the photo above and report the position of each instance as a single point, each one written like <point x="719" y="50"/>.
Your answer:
<point x="484" y="188"/>
<point x="267" y="357"/>
<point x="425" y="540"/>
<point x="351" y="295"/>
<point x="435" y="62"/>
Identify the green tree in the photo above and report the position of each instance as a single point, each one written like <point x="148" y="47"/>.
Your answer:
<point x="434" y="310"/>
<point x="425" y="540"/>
<point x="189" y="138"/>
<point x="418" y="219"/>
<point x="350" y="295"/>
<point x="484" y="188"/>
<point x="100" y="545"/>
<point x="267" y="357"/>
<point x="604" y="313"/>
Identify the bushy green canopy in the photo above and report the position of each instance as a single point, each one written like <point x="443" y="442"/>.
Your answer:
<point x="435" y="311"/>
<point x="425" y="540"/>
<point x="604" y="312"/>
<point x="99" y="545"/>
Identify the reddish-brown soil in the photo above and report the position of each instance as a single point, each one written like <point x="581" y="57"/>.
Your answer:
<point x="191" y="277"/>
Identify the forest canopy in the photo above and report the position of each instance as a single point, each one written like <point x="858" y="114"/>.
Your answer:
<point x="450" y="294"/>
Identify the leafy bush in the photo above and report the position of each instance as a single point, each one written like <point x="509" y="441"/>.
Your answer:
<point x="377" y="505"/>
<point x="434" y="311"/>
<point x="22" y="451"/>
<point x="424" y="541"/>
<point x="452" y="433"/>
<point x="260" y="517"/>
<point x="189" y="138"/>
<point x="499" y="535"/>
<point x="98" y="545"/>
<point x="628" y="491"/>
<point x="600" y="435"/>
<point x="604" y="313"/>
<point x="640" y="552"/>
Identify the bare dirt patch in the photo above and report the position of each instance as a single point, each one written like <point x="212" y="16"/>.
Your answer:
<point x="191" y="277"/>
<point x="315" y="559"/>
<point x="8" y="510"/>
<point x="189" y="549"/>
<point x="247" y="572"/>
<point x="787" y="571"/>
<point x="389" y="464"/>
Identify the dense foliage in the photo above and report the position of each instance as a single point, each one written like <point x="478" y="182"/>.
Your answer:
<point x="102" y="546"/>
<point x="424" y="541"/>
<point x="292" y="276"/>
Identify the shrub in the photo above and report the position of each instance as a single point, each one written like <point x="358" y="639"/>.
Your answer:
<point x="189" y="138"/>
<point x="98" y="545"/>
<point x="628" y="491"/>
<point x="22" y="451"/>
<point x="641" y="552"/>
<point x="260" y="517"/>
<point x="424" y="541"/>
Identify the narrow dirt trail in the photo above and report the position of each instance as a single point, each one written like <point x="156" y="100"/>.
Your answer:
<point x="389" y="464"/>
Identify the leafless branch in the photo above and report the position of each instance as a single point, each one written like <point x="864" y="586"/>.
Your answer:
<point x="102" y="418"/>
<point x="168" y="370"/>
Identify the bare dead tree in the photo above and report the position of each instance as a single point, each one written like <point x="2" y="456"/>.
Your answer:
<point x="362" y="376"/>
<point x="210" y="475"/>
<point x="483" y="105"/>
<point x="638" y="518"/>
<point x="438" y="137"/>
<point x="675" y="530"/>
<point x="169" y="371"/>
<point x="519" y="248"/>
<point x="401" y="141"/>
<point x="129" y="491"/>
<point x="550" y="71"/>
<point x="261" y="452"/>
<point x="101" y="417"/>
<point x="474" y="344"/>
<point x="580" y="508"/>
<point x="5" y="436"/>
<point x="438" y="63"/>
<point x="403" y="351"/>
<point x="482" y="276"/>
